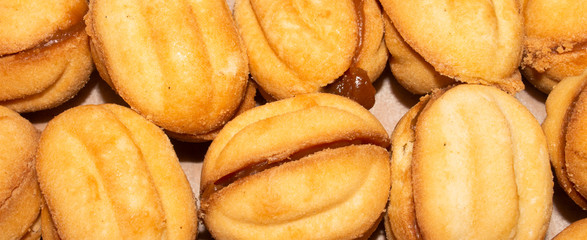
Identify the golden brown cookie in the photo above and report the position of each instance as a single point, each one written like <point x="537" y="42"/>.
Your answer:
<point x="20" y="198"/>
<point x="575" y="231"/>
<point x="472" y="41"/>
<point x="555" y="44"/>
<point x="408" y="67"/>
<point x="44" y="53"/>
<point x="565" y="127"/>
<point x="247" y="103"/>
<point x="467" y="162"/>
<point x="314" y="166"/>
<point x="302" y="47"/>
<point x="107" y="173"/>
<point x="28" y="23"/>
<point x="179" y="64"/>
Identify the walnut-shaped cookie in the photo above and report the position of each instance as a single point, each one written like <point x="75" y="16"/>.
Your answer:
<point x="181" y="65"/>
<point x="297" y="47"/>
<point x="555" y="43"/>
<point x="471" y="41"/>
<point x="314" y="166"/>
<point x="467" y="162"/>
<point x="565" y="127"/>
<point x="408" y="67"/>
<point x="20" y="197"/>
<point x="44" y="53"/>
<point x="106" y="172"/>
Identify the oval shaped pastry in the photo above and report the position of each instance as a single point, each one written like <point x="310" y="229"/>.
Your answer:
<point x="555" y="46"/>
<point x="408" y="67"/>
<point x="44" y="53"/>
<point x="314" y="166"/>
<point x="566" y="132"/>
<point x="577" y="230"/>
<point x="471" y="41"/>
<point x="20" y="198"/>
<point x="179" y="64"/>
<point x="302" y="47"/>
<point x="107" y="173"/>
<point x="469" y="162"/>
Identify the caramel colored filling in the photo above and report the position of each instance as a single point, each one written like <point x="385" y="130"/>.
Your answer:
<point x="355" y="83"/>
<point x="265" y="164"/>
<point x="61" y="35"/>
<point x="58" y="37"/>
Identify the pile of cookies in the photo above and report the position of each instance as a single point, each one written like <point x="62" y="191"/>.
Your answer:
<point x="279" y="92"/>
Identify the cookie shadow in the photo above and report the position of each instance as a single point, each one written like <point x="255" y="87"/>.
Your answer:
<point x="534" y="92"/>
<point x="566" y="207"/>
<point x="403" y="96"/>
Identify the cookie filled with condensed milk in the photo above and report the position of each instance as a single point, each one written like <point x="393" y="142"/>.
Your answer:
<point x="20" y="197"/>
<point x="467" y="162"/>
<point x="555" y="46"/>
<point x="105" y="172"/>
<point x="315" y="166"/>
<point x="436" y="43"/>
<point x="299" y="47"/>
<point x="566" y="132"/>
<point x="180" y="64"/>
<point x="44" y="53"/>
